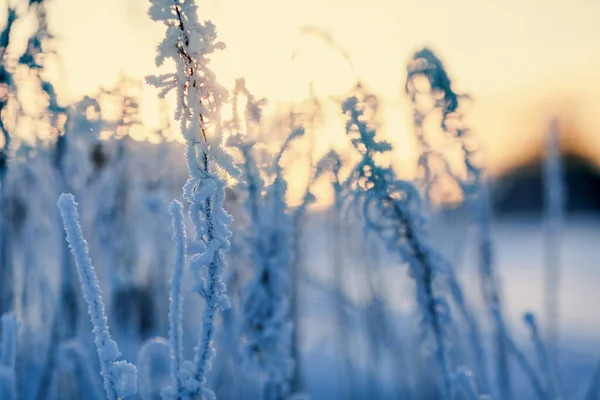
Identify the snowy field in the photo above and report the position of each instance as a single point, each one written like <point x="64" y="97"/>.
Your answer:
<point x="331" y="245"/>
<point x="519" y="246"/>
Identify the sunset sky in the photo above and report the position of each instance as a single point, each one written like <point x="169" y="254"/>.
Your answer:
<point x="523" y="61"/>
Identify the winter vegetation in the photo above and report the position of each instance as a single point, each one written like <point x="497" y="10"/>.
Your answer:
<point x="351" y="280"/>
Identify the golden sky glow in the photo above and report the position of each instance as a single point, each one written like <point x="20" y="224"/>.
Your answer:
<point x="522" y="60"/>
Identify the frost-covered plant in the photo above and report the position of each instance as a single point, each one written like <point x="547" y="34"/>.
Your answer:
<point x="541" y="351"/>
<point x="437" y="99"/>
<point x="8" y="356"/>
<point x="393" y="209"/>
<point x="120" y="377"/>
<point x="188" y="43"/>
<point x="554" y="186"/>
<point x="249" y="120"/>
<point x="175" y="295"/>
<point x="267" y="327"/>
<point x="272" y="226"/>
<point x="529" y="371"/>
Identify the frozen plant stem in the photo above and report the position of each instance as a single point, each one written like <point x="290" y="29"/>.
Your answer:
<point x="120" y="377"/>
<point x="392" y="209"/>
<point x="426" y="64"/>
<point x="266" y="315"/>
<point x="554" y="208"/>
<point x="542" y="356"/>
<point x="199" y="97"/>
<point x="176" y="304"/>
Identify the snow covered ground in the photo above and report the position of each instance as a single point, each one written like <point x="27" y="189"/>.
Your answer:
<point x="519" y="254"/>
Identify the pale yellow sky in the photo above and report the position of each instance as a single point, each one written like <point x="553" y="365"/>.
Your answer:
<point x="522" y="60"/>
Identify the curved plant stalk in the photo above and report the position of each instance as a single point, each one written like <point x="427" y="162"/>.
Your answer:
<point x="392" y="208"/>
<point x="473" y="189"/>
